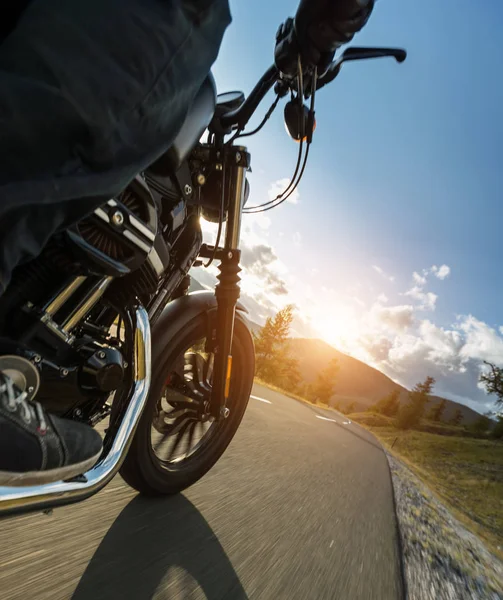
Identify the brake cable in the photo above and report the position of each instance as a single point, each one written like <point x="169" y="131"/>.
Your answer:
<point x="241" y="133"/>
<point x="295" y="180"/>
<point x="283" y="196"/>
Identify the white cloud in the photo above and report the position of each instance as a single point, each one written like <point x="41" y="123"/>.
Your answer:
<point x="482" y="342"/>
<point x="451" y="355"/>
<point x="394" y="318"/>
<point x="443" y="345"/>
<point x="297" y="239"/>
<point x="262" y="221"/>
<point x="383" y="274"/>
<point x="260" y="265"/>
<point x="419" y="279"/>
<point x="426" y="300"/>
<point x="279" y="186"/>
<point x="441" y="272"/>
<point x="382" y="298"/>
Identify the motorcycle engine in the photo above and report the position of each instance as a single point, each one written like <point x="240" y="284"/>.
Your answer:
<point x="118" y="237"/>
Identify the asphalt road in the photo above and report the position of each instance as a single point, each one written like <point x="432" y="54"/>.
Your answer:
<point x="299" y="507"/>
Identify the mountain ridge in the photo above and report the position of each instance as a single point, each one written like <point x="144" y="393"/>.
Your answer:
<point x="357" y="381"/>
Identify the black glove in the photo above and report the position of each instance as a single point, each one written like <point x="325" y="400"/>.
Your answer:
<point x="320" y="27"/>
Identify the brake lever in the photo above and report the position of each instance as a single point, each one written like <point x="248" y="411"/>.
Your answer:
<point x="356" y="53"/>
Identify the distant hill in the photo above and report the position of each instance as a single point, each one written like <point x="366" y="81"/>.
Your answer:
<point x="358" y="382"/>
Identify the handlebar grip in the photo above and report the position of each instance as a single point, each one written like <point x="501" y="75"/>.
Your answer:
<point x="328" y="24"/>
<point x="319" y="28"/>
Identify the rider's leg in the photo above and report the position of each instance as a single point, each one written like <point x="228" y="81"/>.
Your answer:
<point x="92" y="92"/>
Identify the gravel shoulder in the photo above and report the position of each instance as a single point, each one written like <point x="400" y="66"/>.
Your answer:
<point x="442" y="560"/>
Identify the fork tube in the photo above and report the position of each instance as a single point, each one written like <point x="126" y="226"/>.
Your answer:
<point x="227" y="290"/>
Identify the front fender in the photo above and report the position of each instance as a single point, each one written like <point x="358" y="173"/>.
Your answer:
<point x="181" y="311"/>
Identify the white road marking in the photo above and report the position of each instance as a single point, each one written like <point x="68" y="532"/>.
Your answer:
<point x="331" y="543"/>
<point x="346" y="422"/>
<point x="261" y="399"/>
<point x="325" y="418"/>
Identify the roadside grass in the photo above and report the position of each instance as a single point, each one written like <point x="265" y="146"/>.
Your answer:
<point x="371" y="419"/>
<point x="465" y="473"/>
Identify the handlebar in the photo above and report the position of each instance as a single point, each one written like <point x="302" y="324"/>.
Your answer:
<point x="241" y="115"/>
<point x="318" y="29"/>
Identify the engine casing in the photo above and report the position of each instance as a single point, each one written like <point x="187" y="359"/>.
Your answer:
<point x="118" y="237"/>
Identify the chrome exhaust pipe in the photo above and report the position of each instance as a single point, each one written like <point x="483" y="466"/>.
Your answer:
<point x="46" y="496"/>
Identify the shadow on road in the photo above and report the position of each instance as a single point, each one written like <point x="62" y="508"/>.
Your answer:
<point x="160" y="544"/>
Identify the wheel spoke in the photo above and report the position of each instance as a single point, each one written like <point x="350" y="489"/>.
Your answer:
<point x="191" y="435"/>
<point x="162" y="439"/>
<point x="195" y="366"/>
<point x="180" y="418"/>
<point x="178" y="438"/>
<point x="179" y="424"/>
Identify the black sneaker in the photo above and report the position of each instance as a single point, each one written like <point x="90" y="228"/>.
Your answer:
<point x="36" y="447"/>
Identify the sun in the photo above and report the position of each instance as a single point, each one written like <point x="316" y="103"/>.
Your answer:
<point x="337" y="325"/>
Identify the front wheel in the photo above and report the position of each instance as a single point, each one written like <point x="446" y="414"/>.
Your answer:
<point x="176" y="443"/>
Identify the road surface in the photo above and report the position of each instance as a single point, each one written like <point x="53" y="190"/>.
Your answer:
<point x="299" y="507"/>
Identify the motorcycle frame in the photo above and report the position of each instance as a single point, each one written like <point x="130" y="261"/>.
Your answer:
<point x="46" y="496"/>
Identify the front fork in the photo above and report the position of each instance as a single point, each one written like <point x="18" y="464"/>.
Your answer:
<point x="237" y="162"/>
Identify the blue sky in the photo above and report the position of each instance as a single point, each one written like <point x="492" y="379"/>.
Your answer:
<point x="403" y="175"/>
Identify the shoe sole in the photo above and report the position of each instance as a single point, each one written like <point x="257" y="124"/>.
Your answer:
<point x="11" y="479"/>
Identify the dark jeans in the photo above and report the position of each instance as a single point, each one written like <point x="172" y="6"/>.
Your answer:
<point x="91" y="92"/>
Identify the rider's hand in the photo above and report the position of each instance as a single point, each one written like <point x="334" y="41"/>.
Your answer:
<point x="319" y="28"/>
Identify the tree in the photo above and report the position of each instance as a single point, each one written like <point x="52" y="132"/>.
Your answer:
<point x="481" y="425"/>
<point x="350" y="408"/>
<point x="457" y="418"/>
<point x="270" y="343"/>
<point x="323" y="387"/>
<point x="437" y="411"/>
<point x="410" y="415"/>
<point x="493" y="382"/>
<point x="289" y="377"/>
<point x="497" y="430"/>
<point x="389" y="404"/>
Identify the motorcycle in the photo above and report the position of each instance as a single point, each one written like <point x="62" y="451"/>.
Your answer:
<point x="103" y="328"/>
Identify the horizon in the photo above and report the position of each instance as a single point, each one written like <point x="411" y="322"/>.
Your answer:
<point x="390" y="244"/>
<point x="324" y="341"/>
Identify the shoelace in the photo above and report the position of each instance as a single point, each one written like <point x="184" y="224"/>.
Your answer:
<point x="16" y="398"/>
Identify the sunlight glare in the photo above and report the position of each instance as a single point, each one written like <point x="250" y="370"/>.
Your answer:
<point x="337" y="325"/>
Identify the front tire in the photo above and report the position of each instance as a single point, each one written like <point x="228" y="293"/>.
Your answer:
<point x="144" y="468"/>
